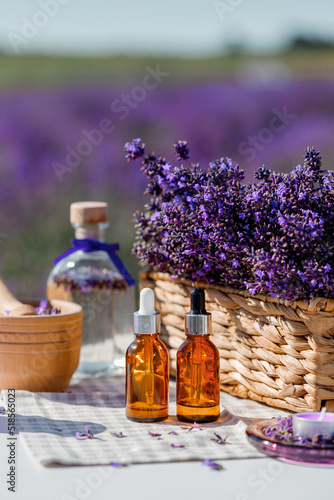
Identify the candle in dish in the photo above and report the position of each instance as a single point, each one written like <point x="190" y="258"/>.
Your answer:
<point x="308" y="425"/>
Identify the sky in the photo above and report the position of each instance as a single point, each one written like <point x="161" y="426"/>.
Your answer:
<point x="191" y="28"/>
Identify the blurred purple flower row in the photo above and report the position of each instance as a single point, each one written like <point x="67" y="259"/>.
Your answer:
<point x="37" y="126"/>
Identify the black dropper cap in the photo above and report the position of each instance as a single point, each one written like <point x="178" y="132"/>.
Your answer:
<point x="197" y="301"/>
<point x="197" y="321"/>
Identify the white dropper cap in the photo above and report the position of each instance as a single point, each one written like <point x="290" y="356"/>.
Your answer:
<point x="146" y="302"/>
<point x="147" y="319"/>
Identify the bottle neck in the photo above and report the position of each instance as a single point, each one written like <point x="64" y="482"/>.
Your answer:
<point x="146" y="323"/>
<point x="91" y="231"/>
<point x="198" y="324"/>
<point x="143" y="336"/>
<point x="197" y="336"/>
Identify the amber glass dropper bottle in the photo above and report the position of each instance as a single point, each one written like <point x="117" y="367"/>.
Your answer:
<point x="147" y="366"/>
<point x="198" y="367"/>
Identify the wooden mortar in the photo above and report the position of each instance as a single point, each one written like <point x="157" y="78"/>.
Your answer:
<point x="38" y="353"/>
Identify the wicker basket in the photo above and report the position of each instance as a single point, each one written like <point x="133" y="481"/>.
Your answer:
<point x="274" y="351"/>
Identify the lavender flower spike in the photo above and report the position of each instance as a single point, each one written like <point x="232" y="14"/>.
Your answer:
<point x="181" y="150"/>
<point x="134" y="150"/>
<point x="271" y="238"/>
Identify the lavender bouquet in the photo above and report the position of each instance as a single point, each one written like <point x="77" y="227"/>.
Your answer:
<point x="273" y="237"/>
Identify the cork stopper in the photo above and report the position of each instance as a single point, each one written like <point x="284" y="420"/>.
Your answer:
<point x="88" y="212"/>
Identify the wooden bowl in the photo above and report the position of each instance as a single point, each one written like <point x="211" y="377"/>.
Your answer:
<point x="40" y="353"/>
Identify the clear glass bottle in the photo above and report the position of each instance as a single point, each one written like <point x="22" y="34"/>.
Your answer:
<point x="198" y="367"/>
<point x="147" y="366"/>
<point x="91" y="279"/>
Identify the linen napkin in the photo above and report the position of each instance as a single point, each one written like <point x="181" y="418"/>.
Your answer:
<point x="48" y="422"/>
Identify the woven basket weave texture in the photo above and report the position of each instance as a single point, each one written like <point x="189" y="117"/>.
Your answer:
<point x="278" y="352"/>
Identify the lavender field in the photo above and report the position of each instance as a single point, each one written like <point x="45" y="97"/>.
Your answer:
<point x="251" y="123"/>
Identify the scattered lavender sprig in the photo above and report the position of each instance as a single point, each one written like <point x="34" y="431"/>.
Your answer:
<point x="154" y="434"/>
<point x="45" y="308"/>
<point x="283" y="431"/>
<point x="196" y="426"/>
<point x="85" y="435"/>
<point x="118" y="434"/>
<point x="175" y="446"/>
<point x="212" y="465"/>
<point x="117" y="464"/>
<point x="273" y="237"/>
<point x="80" y="435"/>
<point x="218" y="439"/>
